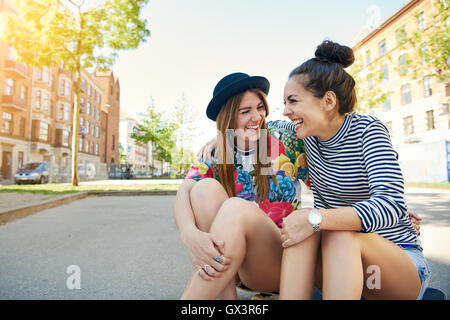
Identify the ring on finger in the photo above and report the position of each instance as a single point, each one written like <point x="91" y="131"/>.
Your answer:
<point x="219" y="259"/>
<point x="205" y="267"/>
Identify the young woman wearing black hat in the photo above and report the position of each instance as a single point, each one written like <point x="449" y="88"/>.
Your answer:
<point x="229" y="211"/>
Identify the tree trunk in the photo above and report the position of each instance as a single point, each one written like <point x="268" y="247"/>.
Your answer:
<point x="76" y="124"/>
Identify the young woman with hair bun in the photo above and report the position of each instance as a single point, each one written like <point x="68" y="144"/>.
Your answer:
<point x="365" y="244"/>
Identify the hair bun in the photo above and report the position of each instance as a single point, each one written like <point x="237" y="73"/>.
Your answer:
<point x="333" y="52"/>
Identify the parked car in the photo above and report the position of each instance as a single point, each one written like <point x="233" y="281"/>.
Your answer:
<point x="33" y="172"/>
<point x="115" y="174"/>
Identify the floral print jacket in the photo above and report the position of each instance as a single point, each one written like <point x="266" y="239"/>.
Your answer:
<point x="288" y="161"/>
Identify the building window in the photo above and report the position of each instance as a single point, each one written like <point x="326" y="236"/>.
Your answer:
<point x="23" y="93"/>
<point x="430" y="120"/>
<point x="385" y="72"/>
<point x="67" y="90"/>
<point x="88" y="126"/>
<point x="424" y="53"/>
<point x="97" y="131"/>
<point x="43" y="131"/>
<point x="7" y="123"/>
<point x="387" y="103"/>
<point x="88" y="110"/>
<point x="421" y="21"/>
<point x="87" y="147"/>
<point x="11" y="53"/>
<point x="62" y="86"/>
<point x="38" y="99"/>
<point x="406" y="94"/>
<point x="401" y="35"/>
<point x="113" y="142"/>
<point x="80" y="144"/>
<point x="403" y="64"/>
<point x="22" y="127"/>
<point x="9" y="87"/>
<point x="96" y="148"/>
<point x="408" y="126"/>
<point x="89" y="90"/>
<point x="389" y="127"/>
<point x="66" y="113"/>
<point x="45" y="101"/>
<point x="428" y="91"/>
<point x="81" y="104"/>
<point x="65" y="138"/>
<point x="369" y="82"/>
<point x="382" y="47"/>
<point x="46" y="75"/>
<point x="81" y="122"/>
<point x="20" y="159"/>
<point x="61" y="112"/>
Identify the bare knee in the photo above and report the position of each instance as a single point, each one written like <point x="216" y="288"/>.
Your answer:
<point x="235" y="211"/>
<point x="207" y="187"/>
<point x="208" y="191"/>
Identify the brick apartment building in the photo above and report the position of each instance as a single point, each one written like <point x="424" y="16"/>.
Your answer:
<point x="36" y="111"/>
<point x="415" y="108"/>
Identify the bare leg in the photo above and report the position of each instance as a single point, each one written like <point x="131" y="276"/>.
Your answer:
<point x="298" y="269"/>
<point x="253" y="243"/>
<point x="207" y="196"/>
<point x="346" y="258"/>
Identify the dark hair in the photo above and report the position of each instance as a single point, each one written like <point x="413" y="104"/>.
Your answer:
<point x="325" y="72"/>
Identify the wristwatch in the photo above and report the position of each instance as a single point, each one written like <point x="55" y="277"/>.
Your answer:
<point x="315" y="218"/>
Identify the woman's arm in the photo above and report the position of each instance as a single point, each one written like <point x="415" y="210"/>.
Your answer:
<point x="297" y="228"/>
<point x="386" y="206"/>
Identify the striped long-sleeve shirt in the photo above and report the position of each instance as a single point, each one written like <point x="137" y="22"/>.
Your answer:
<point x="358" y="167"/>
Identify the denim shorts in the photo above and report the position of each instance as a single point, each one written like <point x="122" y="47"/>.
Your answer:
<point x="415" y="253"/>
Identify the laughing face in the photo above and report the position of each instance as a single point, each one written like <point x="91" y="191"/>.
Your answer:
<point x="250" y="116"/>
<point x="305" y="110"/>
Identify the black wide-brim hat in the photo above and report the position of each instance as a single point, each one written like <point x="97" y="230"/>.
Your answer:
<point x="231" y="85"/>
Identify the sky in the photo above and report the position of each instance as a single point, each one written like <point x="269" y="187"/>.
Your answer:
<point x="195" y="43"/>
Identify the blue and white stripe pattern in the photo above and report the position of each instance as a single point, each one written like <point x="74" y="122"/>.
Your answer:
<point x="358" y="167"/>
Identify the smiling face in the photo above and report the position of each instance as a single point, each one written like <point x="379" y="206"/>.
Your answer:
<point x="305" y="110"/>
<point x="249" y="119"/>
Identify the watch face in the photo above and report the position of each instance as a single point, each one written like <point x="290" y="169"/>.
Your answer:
<point x="314" y="218"/>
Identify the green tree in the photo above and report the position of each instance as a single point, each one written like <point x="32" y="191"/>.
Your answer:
<point x="46" y="32"/>
<point x="186" y="118"/>
<point x="431" y="43"/>
<point x="159" y="132"/>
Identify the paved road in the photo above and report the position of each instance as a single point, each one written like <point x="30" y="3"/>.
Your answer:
<point x="129" y="248"/>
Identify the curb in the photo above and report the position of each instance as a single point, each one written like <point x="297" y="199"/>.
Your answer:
<point x="20" y="212"/>
<point x="133" y="193"/>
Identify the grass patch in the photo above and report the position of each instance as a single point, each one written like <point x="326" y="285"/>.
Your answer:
<point x="65" y="188"/>
<point x="435" y="185"/>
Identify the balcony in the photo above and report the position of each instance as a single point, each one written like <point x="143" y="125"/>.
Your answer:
<point x="16" y="69"/>
<point x="14" y="102"/>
